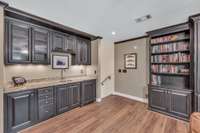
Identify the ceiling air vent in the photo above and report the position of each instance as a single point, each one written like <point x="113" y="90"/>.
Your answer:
<point x="143" y="18"/>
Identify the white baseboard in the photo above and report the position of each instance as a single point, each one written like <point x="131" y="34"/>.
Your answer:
<point x="98" y="100"/>
<point x="144" y="100"/>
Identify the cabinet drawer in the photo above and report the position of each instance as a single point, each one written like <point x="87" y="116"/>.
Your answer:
<point x="45" y="91"/>
<point x="46" y="102"/>
<point x="47" y="96"/>
<point x="46" y="112"/>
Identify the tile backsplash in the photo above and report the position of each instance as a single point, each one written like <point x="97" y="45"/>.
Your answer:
<point x="41" y="71"/>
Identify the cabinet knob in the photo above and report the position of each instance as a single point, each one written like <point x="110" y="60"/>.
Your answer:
<point x="47" y="111"/>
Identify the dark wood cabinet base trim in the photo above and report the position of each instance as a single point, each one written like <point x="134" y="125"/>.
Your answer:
<point x="168" y="114"/>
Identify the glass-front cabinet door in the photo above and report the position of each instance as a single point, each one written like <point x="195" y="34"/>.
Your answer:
<point x="70" y="44"/>
<point x="58" y="41"/>
<point x="40" y="45"/>
<point x="19" y="42"/>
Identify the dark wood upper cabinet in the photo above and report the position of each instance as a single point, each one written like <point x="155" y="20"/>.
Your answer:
<point x="79" y="52"/>
<point x="58" y="41"/>
<point x="70" y="44"/>
<point x="86" y="52"/>
<point x="83" y="52"/>
<point x="40" y="45"/>
<point x="26" y="43"/>
<point x="29" y="43"/>
<point x="21" y="110"/>
<point x="18" y="42"/>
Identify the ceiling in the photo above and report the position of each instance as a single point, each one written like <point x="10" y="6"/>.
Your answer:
<point x="101" y="17"/>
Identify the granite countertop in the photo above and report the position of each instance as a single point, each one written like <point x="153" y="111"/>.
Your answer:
<point x="45" y="83"/>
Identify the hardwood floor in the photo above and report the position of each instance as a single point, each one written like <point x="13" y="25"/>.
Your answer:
<point x="113" y="115"/>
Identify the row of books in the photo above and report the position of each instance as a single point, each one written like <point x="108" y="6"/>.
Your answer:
<point x="170" y="47"/>
<point x="167" y="38"/>
<point x="169" y="69"/>
<point x="173" y="58"/>
<point x="156" y="80"/>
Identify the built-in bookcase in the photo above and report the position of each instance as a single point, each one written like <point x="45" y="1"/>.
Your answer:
<point x="170" y="60"/>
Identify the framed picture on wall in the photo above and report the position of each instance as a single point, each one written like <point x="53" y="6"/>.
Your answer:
<point x="60" y="61"/>
<point x="130" y="61"/>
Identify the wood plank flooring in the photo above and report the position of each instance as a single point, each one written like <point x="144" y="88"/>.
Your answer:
<point x="113" y="115"/>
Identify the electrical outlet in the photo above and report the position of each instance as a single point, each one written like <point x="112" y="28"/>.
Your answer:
<point x="82" y="71"/>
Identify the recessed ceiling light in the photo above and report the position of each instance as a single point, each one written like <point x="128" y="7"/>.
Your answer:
<point x="113" y="33"/>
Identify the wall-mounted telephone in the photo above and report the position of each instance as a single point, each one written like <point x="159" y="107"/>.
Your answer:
<point x="19" y="80"/>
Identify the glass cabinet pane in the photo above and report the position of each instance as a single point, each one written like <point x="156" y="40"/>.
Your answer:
<point x="40" y="45"/>
<point x="19" y="42"/>
<point x="58" y="41"/>
<point x="70" y="44"/>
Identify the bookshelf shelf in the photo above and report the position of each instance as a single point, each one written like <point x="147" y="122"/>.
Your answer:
<point x="171" y="87"/>
<point x="173" y="63"/>
<point x="171" y="42"/>
<point x="172" y="74"/>
<point x="172" y="52"/>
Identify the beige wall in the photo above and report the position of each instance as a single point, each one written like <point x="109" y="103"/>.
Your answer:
<point x="106" y="67"/>
<point x="90" y="70"/>
<point x="135" y="81"/>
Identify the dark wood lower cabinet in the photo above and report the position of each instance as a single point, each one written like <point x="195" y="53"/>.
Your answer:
<point x="88" y="92"/>
<point x="25" y="108"/>
<point x="180" y="103"/>
<point x="177" y="103"/>
<point x="75" y="95"/>
<point x="68" y="97"/>
<point x="46" y="103"/>
<point x="158" y="99"/>
<point x="21" y="110"/>
<point x="62" y="99"/>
